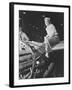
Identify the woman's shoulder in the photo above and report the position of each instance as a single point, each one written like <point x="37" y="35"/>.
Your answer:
<point x="51" y="25"/>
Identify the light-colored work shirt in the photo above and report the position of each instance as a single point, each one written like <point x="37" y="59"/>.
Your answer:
<point x="51" y="30"/>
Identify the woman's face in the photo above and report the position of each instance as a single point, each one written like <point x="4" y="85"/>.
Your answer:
<point x="47" y="21"/>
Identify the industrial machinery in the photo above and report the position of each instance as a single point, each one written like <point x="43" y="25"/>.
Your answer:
<point x="33" y="63"/>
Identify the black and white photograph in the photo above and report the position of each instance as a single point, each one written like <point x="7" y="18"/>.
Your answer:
<point x="41" y="44"/>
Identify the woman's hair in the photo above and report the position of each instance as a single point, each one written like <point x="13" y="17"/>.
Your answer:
<point x="47" y="18"/>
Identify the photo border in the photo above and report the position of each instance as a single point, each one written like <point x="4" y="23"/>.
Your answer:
<point x="11" y="43"/>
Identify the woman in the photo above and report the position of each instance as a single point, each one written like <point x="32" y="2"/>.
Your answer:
<point x="52" y="36"/>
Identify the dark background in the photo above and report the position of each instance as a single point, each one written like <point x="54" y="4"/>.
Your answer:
<point x="32" y="23"/>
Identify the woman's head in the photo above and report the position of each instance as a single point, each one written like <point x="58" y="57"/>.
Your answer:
<point x="47" y="21"/>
